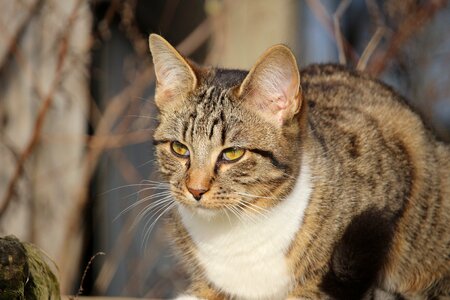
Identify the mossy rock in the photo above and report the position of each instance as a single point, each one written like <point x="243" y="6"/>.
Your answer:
<point x="24" y="274"/>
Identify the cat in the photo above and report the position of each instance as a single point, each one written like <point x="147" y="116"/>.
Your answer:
<point x="319" y="184"/>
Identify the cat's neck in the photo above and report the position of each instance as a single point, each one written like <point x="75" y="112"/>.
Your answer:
<point x="220" y="222"/>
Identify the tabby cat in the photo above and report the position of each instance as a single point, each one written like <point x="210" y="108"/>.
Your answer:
<point x="324" y="185"/>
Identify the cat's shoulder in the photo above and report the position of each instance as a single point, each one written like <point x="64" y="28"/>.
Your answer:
<point x="334" y="84"/>
<point x="326" y="69"/>
<point x="333" y="90"/>
<point x="340" y="75"/>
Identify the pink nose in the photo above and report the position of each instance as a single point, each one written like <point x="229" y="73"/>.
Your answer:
<point x="197" y="193"/>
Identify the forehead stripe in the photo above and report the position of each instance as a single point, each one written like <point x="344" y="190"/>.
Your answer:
<point x="224" y="130"/>
<point x="215" y="122"/>
<point x="191" y="125"/>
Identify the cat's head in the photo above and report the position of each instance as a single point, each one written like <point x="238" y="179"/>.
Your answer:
<point x="227" y="139"/>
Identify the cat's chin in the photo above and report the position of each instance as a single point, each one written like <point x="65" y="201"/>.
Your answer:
<point x="201" y="212"/>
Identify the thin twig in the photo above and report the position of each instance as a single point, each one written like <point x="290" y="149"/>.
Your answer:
<point x="337" y="29"/>
<point x="86" y="269"/>
<point x="370" y="48"/>
<point x="324" y="18"/>
<point x="381" y="31"/>
<point x="42" y="111"/>
<point x="103" y="26"/>
<point x="405" y="31"/>
<point x="131" y="29"/>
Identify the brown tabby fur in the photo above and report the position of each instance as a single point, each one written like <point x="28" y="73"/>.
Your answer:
<point x="380" y="178"/>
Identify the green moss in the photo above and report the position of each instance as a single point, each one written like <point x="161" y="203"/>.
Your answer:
<point x="43" y="284"/>
<point x="24" y="274"/>
<point x="13" y="269"/>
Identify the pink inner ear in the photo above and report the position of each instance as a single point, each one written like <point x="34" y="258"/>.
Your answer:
<point x="275" y="90"/>
<point x="171" y="76"/>
<point x="165" y="92"/>
<point x="285" y="95"/>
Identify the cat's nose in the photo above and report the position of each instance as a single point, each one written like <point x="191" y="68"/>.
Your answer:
<point x="197" y="193"/>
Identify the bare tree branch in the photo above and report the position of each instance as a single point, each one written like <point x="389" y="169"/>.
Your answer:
<point x="370" y="48"/>
<point x="324" y="18"/>
<point x="42" y="111"/>
<point x="19" y="32"/>
<point x="337" y="29"/>
<point x="405" y="31"/>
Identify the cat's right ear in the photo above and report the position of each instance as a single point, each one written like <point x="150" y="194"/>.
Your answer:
<point x="174" y="76"/>
<point x="272" y="87"/>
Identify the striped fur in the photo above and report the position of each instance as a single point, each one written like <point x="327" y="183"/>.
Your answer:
<point x="378" y="215"/>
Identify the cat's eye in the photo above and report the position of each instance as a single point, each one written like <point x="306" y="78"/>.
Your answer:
<point x="232" y="154"/>
<point x="179" y="149"/>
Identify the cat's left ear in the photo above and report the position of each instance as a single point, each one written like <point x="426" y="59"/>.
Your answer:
<point x="175" y="77"/>
<point x="272" y="87"/>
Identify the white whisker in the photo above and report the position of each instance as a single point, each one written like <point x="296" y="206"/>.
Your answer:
<point x="154" y="206"/>
<point x="146" y="163"/>
<point x="237" y="213"/>
<point x="143" y="99"/>
<point x="255" y="208"/>
<point x="165" y="190"/>
<point x="148" y="198"/>
<point x="141" y="116"/>
<point x="225" y="209"/>
<point x="131" y="185"/>
<point x="150" y="228"/>
<point x="254" y="196"/>
<point x="160" y="208"/>
<point x="251" y="217"/>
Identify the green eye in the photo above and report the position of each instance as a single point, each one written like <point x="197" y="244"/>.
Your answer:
<point x="179" y="149"/>
<point x="232" y="154"/>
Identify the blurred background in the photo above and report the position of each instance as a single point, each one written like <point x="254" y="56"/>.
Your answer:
<point x="77" y="112"/>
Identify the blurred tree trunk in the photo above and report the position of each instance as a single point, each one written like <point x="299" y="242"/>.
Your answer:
<point x="247" y="28"/>
<point x="44" y="48"/>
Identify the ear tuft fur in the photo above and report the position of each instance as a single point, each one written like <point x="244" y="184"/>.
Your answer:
<point x="175" y="77"/>
<point x="272" y="86"/>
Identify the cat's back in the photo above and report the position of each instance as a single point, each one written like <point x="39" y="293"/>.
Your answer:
<point x="332" y="89"/>
<point x="389" y="159"/>
<point x="349" y="105"/>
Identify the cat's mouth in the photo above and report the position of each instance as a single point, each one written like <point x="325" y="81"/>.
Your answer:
<point x="208" y="206"/>
<point x="204" y="204"/>
<point x="235" y="207"/>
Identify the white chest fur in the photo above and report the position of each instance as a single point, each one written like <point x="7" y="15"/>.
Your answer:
<point x="247" y="258"/>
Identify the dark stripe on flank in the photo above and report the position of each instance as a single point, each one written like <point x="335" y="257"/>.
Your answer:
<point x="359" y="255"/>
<point x="269" y="155"/>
